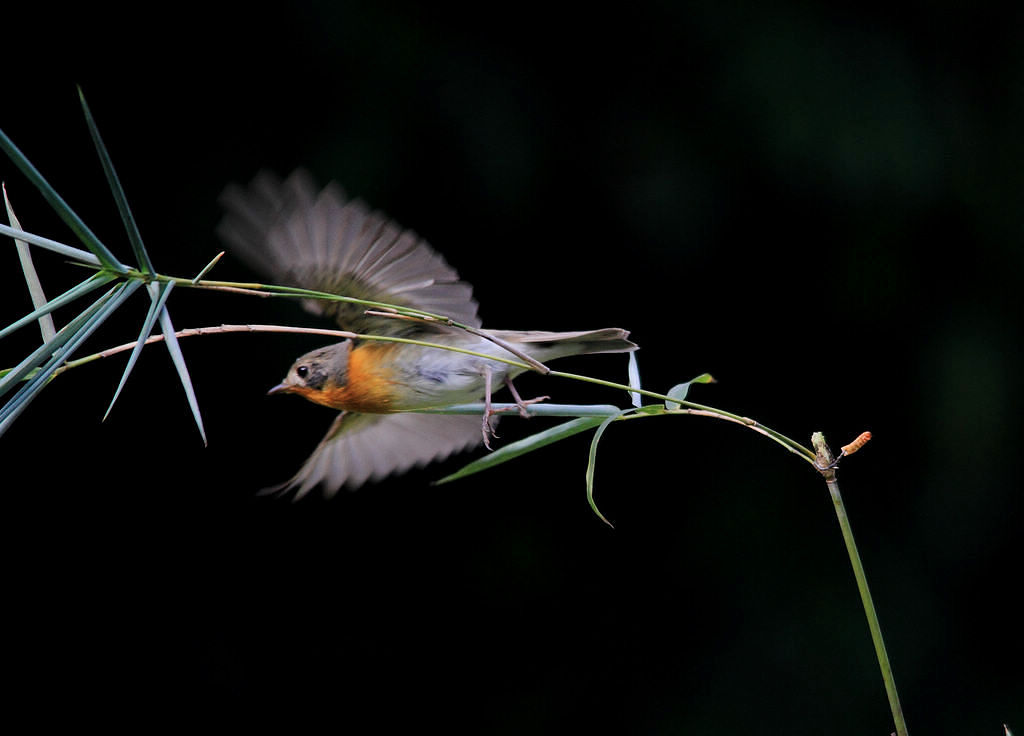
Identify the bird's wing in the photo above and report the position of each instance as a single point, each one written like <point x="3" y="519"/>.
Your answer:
<point x="325" y="242"/>
<point x="362" y="447"/>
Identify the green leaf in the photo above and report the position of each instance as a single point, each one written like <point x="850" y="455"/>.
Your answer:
<point x="679" y="391"/>
<point x="525" y="445"/>
<point x="93" y="282"/>
<point x="592" y="461"/>
<point x="171" y="341"/>
<point x="35" y="286"/>
<point x="77" y="332"/>
<point x="134" y="236"/>
<point x="83" y="256"/>
<point x="634" y="380"/>
<point x="41" y="354"/>
<point x="158" y="297"/>
<point x="73" y="221"/>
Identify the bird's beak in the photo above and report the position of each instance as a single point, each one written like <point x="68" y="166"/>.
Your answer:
<point x="280" y="388"/>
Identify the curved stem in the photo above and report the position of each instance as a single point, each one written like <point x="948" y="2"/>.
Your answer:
<point x="700" y="410"/>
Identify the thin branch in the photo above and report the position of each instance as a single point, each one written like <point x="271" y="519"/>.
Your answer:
<point x="223" y="329"/>
<point x="503" y="344"/>
<point x="745" y="422"/>
<point x="217" y="330"/>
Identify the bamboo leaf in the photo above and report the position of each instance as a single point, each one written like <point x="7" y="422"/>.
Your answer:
<point x="41" y="354"/>
<point x="525" y="445"/>
<point x="134" y="236"/>
<point x="634" y="380"/>
<point x="592" y="461"/>
<point x="71" y="219"/>
<point x="93" y="282"/>
<point x="158" y="297"/>
<point x="82" y="327"/>
<point x="679" y="391"/>
<point x="207" y="267"/>
<point x="77" y="254"/>
<point x="171" y="341"/>
<point x="35" y="286"/>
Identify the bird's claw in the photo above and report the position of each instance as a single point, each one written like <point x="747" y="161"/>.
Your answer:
<point x="489" y="411"/>
<point x="523" y="403"/>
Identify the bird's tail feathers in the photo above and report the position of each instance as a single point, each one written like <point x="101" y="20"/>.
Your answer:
<point x="552" y="345"/>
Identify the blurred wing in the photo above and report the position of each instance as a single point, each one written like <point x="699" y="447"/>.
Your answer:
<point x="362" y="447"/>
<point x="324" y="242"/>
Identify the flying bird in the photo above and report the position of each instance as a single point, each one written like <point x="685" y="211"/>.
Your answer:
<point x="323" y="241"/>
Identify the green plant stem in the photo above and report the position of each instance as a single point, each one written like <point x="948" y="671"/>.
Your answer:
<point x="824" y="458"/>
<point x="699" y="410"/>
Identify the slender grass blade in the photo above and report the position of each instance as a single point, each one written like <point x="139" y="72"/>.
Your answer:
<point x="171" y="341"/>
<point x="134" y="236"/>
<point x="43" y="353"/>
<point x="35" y="286"/>
<point x="77" y="254"/>
<point x="85" y="326"/>
<point x="592" y="462"/>
<point x="93" y="282"/>
<point x="525" y="445"/>
<point x="158" y="295"/>
<point x="207" y="268"/>
<point x="63" y="210"/>
<point x="634" y="380"/>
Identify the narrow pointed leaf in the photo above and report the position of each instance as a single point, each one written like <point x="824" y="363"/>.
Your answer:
<point x="43" y="353"/>
<point x="592" y="461"/>
<point x="35" y="286"/>
<point x="171" y="341"/>
<point x="134" y="237"/>
<point x="93" y="282"/>
<point x="206" y="269"/>
<point x="88" y="323"/>
<point x="71" y="219"/>
<point x="158" y="295"/>
<point x="77" y="254"/>
<point x="679" y="391"/>
<point x="634" y="380"/>
<point x="525" y="445"/>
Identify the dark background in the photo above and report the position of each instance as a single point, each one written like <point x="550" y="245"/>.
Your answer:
<point x="818" y="206"/>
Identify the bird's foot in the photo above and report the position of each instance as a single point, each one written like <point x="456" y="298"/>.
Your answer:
<point x="521" y="402"/>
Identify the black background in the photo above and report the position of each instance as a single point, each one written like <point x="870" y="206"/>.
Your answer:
<point x="818" y="206"/>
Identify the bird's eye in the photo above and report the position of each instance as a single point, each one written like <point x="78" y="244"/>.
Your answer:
<point x="302" y="371"/>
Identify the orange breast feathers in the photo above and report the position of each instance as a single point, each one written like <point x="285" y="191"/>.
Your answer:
<point x="369" y="386"/>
